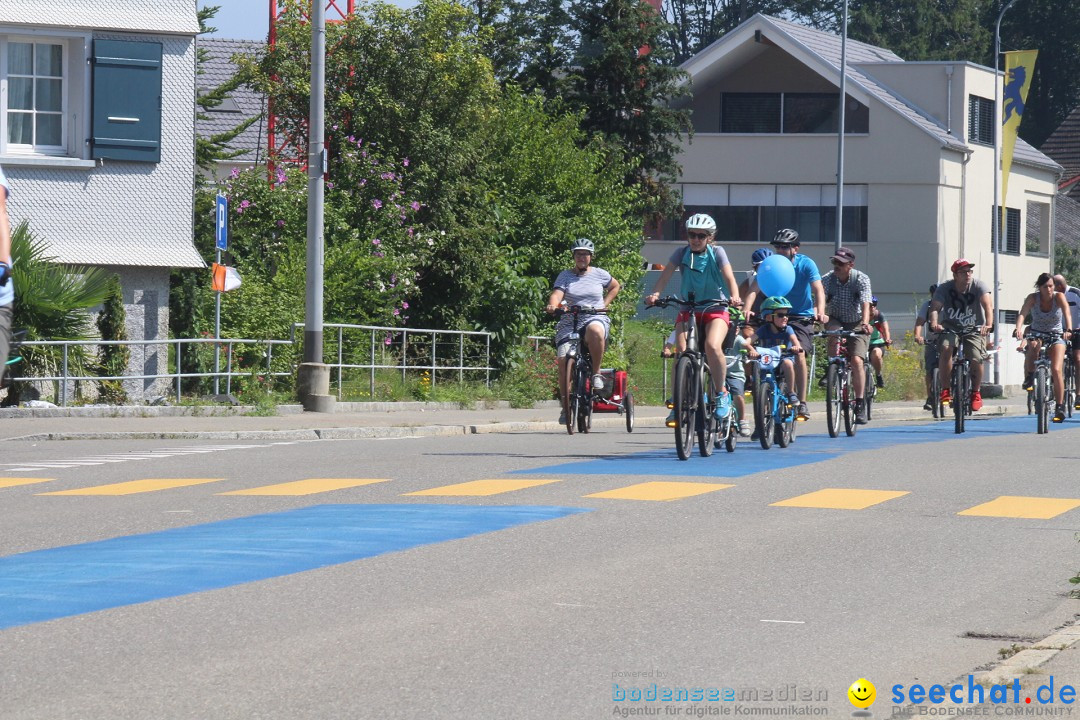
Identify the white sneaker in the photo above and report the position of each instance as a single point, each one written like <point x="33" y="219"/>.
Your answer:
<point x="597" y="383"/>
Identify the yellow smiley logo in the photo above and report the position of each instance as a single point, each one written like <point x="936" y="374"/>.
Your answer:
<point x="862" y="693"/>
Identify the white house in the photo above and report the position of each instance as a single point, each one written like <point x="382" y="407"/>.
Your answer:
<point x="97" y="132"/>
<point x="918" y="177"/>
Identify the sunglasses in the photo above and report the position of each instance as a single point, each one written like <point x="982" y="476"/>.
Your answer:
<point x="782" y="246"/>
<point x="779" y="315"/>
<point x="838" y="263"/>
<point x="696" y="235"/>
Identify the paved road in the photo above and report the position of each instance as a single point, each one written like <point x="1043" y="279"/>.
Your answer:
<point x="526" y="575"/>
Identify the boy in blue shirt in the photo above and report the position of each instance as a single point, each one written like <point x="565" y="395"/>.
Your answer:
<point x="773" y="333"/>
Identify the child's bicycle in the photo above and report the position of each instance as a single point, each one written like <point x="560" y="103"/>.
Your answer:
<point x="774" y="416"/>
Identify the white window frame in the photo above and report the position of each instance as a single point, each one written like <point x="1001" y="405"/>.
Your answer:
<point x="75" y="94"/>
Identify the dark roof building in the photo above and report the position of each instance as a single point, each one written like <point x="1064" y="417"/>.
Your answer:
<point x="241" y="104"/>
<point x="1064" y="147"/>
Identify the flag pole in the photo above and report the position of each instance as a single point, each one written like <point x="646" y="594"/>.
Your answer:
<point x="999" y="202"/>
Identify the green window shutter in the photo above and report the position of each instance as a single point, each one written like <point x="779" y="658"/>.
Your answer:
<point x="127" y="101"/>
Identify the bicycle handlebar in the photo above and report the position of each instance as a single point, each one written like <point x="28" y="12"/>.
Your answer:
<point x="838" y="333"/>
<point x="578" y="310"/>
<point x="686" y="304"/>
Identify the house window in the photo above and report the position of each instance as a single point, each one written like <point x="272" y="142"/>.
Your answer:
<point x="758" y="224"/>
<point x="1037" y="229"/>
<point x="34" y="76"/>
<point x="790" y="113"/>
<point x="1010" y="231"/>
<point x="980" y="120"/>
<point x="750" y="113"/>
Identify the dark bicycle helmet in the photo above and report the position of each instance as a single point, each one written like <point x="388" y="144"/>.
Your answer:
<point x="774" y="303"/>
<point x="787" y="236"/>
<point x="873" y="299"/>
<point x="759" y="256"/>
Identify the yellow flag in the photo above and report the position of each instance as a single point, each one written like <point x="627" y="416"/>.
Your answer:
<point x="1019" y="68"/>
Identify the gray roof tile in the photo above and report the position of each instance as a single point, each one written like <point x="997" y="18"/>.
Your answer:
<point x="217" y="69"/>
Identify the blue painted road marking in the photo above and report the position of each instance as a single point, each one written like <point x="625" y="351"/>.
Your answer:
<point x="749" y="458"/>
<point x="60" y="582"/>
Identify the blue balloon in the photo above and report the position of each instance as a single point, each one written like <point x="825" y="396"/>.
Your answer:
<point x="776" y="275"/>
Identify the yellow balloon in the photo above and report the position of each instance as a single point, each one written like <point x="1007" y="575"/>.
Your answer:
<point x="862" y="693"/>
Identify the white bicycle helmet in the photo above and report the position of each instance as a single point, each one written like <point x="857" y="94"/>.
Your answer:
<point x="701" y="222"/>
<point x="583" y="244"/>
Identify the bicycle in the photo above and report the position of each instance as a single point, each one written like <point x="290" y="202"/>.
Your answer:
<point x="1042" y="393"/>
<point x="577" y="402"/>
<point x="960" y="382"/>
<point x="839" y="389"/>
<point x="1069" y="376"/>
<point x="693" y="397"/>
<point x="773" y="414"/>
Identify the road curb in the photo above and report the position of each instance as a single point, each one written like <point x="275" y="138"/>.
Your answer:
<point x="1038" y="654"/>
<point x="409" y="431"/>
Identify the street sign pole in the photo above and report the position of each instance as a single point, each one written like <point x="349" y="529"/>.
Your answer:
<point x="221" y="242"/>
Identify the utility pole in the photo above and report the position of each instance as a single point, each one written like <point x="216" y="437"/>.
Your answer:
<point x="999" y="202"/>
<point x="313" y="381"/>
<point x="840" y="132"/>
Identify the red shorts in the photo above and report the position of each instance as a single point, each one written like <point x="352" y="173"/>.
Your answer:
<point x="704" y="316"/>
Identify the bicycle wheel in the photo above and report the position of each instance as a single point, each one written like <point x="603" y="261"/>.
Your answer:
<point x="869" y="390"/>
<point x="935" y="394"/>
<point x="847" y="400"/>
<point x="732" y="436"/>
<point x="959" y="396"/>
<point x="832" y="399"/>
<point x="685" y="406"/>
<point x="763" y="410"/>
<point x="1042" y="400"/>
<point x="1070" y="383"/>
<point x="784" y="416"/>
<point x="584" y="410"/>
<point x="570" y="399"/>
<point x="628" y="404"/>
<point x="705" y="423"/>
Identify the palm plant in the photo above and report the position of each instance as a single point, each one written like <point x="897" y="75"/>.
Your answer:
<point x="52" y="302"/>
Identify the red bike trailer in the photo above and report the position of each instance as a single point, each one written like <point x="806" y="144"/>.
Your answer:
<point x="616" y="396"/>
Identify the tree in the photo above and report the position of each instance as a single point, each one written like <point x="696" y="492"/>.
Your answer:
<point x="112" y="325"/>
<point x="53" y="304"/>
<point x="623" y="83"/>
<point x="216" y="147"/>
<point x="1053" y="28"/>
<point x="480" y="188"/>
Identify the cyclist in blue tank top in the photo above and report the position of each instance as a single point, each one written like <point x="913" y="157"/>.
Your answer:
<point x="705" y="271"/>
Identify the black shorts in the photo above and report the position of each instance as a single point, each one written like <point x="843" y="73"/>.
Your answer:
<point x="804" y="331"/>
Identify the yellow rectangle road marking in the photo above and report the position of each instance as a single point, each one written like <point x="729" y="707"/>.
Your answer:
<point x="15" y="482"/>
<point x="136" y="486"/>
<point x="660" y="490"/>
<point x="481" y="488"/>
<point x="1034" y="508"/>
<point x="841" y="499"/>
<point x="310" y="486"/>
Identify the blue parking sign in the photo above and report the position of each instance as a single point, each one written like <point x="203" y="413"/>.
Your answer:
<point x="221" y="227"/>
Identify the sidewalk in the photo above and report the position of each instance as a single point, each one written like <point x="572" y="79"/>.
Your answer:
<point x="352" y="420"/>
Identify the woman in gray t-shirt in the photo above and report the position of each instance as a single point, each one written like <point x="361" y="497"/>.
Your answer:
<point x="590" y="287"/>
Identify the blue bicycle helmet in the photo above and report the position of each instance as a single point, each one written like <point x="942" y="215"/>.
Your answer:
<point x="759" y="256"/>
<point x="873" y="299"/>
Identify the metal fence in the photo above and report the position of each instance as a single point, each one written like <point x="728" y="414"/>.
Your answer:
<point x="435" y="352"/>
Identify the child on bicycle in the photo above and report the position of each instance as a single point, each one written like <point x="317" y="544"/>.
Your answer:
<point x="773" y="333"/>
<point x="736" y="372"/>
